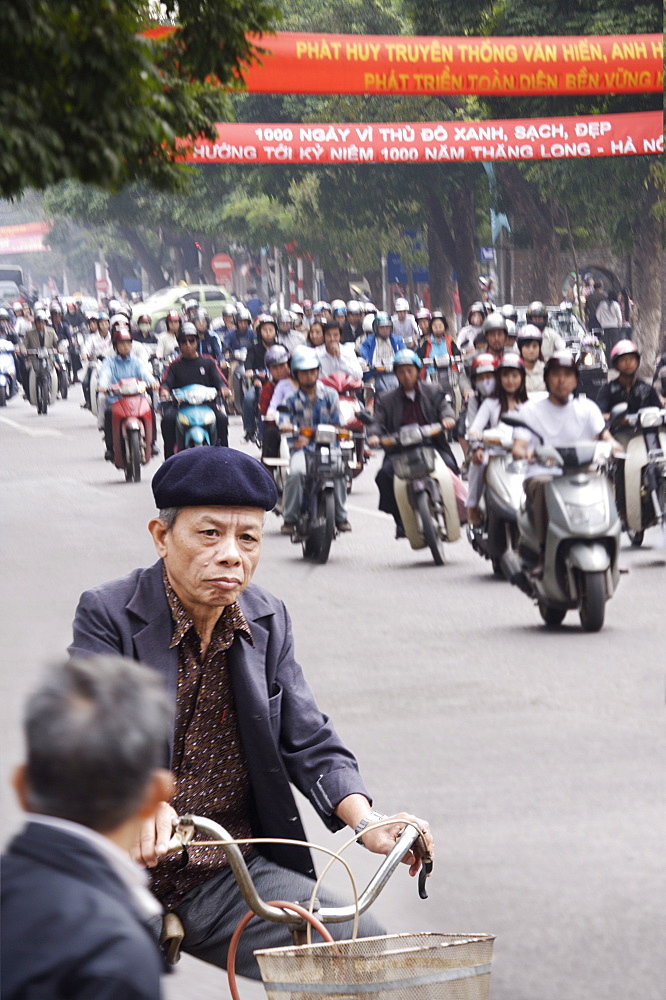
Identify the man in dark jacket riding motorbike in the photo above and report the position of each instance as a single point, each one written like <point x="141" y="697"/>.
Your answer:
<point x="413" y="402"/>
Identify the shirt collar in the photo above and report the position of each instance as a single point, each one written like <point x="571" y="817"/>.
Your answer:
<point x="128" y="871"/>
<point x="182" y="620"/>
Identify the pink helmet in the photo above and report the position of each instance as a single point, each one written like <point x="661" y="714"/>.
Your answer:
<point x="423" y="313"/>
<point x="484" y="364"/>
<point x="624" y="347"/>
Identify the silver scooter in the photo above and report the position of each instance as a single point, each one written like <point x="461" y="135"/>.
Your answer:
<point x="583" y="538"/>
<point x="500" y="500"/>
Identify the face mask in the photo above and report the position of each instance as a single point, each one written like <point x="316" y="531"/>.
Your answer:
<point x="144" y="327"/>
<point x="485" y="386"/>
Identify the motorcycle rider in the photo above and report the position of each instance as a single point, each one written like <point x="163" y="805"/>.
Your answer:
<point x="98" y="344"/>
<point x="559" y="419"/>
<point x="241" y="336"/>
<point x="209" y="343"/>
<point x="475" y="317"/>
<point x="528" y="342"/>
<point x="353" y="328"/>
<point x="509" y="393"/>
<point x="278" y="387"/>
<point x="423" y="322"/>
<point x="312" y="404"/>
<point x="404" y="324"/>
<point x="167" y="341"/>
<point x="119" y="365"/>
<point x="413" y="402"/>
<point x="21" y="324"/>
<point x="379" y="349"/>
<point x="334" y="356"/>
<point x="255" y="365"/>
<point x="537" y="314"/>
<point x="40" y="335"/>
<point x="191" y="368"/>
<point x="286" y="335"/>
<point x="439" y="342"/>
<point x="627" y="388"/>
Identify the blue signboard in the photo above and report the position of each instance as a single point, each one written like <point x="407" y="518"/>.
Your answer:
<point x="397" y="271"/>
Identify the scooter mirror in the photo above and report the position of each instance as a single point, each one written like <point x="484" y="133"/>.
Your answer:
<point x="364" y="416"/>
<point x="618" y="411"/>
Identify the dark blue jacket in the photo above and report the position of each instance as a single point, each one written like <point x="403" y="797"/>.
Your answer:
<point x="285" y="737"/>
<point x="69" y="927"/>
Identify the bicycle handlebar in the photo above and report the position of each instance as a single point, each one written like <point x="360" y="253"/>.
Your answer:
<point x="187" y="826"/>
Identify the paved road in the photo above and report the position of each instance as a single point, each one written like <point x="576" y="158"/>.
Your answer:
<point x="537" y="756"/>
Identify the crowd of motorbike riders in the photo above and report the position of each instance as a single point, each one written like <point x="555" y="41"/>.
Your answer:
<point x="287" y="371"/>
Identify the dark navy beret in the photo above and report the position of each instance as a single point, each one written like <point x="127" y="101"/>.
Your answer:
<point x="213" y="477"/>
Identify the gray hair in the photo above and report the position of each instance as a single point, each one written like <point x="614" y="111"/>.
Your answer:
<point x="95" y="730"/>
<point x="169" y="515"/>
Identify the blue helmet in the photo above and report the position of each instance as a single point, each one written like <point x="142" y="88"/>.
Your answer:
<point x="304" y="359"/>
<point x="407" y="357"/>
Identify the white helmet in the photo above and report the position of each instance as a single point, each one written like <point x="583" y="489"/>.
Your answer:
<point x="274" y="309"/>
<point x="295" y="308"/>
<point x="401" y="305"/>
<point x="338" y="305"/>
<point x="368" y="320"/>
<point x="354" y="306"/>
<point x="369" y="307"/>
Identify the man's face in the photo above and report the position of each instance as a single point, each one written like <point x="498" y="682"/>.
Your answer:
<point x="529" y="350"/>
<point x="384" y="332"/>
<point x="268" y="333"/>
<point x="104" y="327"/>
<point x="229" y="322"/>
<point x="561" y="383"/>
<point x="307" y="379"/>
<point x="401" y="314"/>
<point x="354" y="318"/>
<point x="242" y="325"/>
<point x="188" y="346"/>
<point x="407" y="376"/>
<point x="496" y="341"/>
<point x="210" y="553"/>
<point x="201" y="325"/>
<point x="331" y="338"/>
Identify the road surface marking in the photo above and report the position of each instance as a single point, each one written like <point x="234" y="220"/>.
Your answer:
<point x="32" y="431"/>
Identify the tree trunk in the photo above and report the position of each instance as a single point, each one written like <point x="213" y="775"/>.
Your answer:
<point x="647" y="262"/>
<point x="463" y="218"/>
<point x="440" y="276"/>
<point x="146" y="257"/>
<point x="538" y="218"/>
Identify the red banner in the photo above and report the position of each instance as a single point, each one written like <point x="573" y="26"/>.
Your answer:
<point x="25" y="237"/>
<point x="431" y="142"/>
<point x="303" y="63"/>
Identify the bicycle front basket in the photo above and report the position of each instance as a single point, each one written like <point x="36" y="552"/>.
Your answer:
<point x="424" y="966"/>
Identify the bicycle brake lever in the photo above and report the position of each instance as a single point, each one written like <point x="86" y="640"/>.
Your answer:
<point x="426" y="869"/>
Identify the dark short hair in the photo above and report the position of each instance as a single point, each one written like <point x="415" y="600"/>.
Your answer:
<point x="95" y="729"/>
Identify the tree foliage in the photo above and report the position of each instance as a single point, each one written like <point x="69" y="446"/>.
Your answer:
<point x="83" y="94"/>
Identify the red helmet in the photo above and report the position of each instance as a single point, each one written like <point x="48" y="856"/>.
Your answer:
<point x="173" y="314"/>
<point x="622" y="348"/>
<point x="511" y="360"/>
<point x="144" y="320"/>
<point x="484" y="364"/>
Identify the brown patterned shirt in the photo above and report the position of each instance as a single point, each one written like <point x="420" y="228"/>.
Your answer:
<point x="208" y="760"/>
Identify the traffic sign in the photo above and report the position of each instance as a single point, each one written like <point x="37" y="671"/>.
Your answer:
<point x="223" y="268"/>
<point x="101" y="285"/>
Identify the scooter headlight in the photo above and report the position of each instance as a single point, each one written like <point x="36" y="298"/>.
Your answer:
<point x="183" y="420"/>
<point x="209" y="418"/>
<point x="589" y="516"/>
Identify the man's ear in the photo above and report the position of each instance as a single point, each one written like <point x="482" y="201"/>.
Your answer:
<point x="20" y="786"/>
<point x="159" y="530"/>
<point x="160" y="789"/>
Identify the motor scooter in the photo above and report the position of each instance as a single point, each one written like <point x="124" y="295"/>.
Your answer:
<point x="8" y="380"/>
<point x="640" y="477"/>
<point x="581" y="568"/>
<point x="440" y="371"/>
<point x="63" y="368"/>
<point x="132" y="426"/>
<point x="239" y="380"/>
<point x="500" y="500"/>
<point x="315" y="527"/>
<point x="195" y="421"/>
<point x="42" y="382"/>
<point x="423" y="488"/>
<point x="353" y="448"/>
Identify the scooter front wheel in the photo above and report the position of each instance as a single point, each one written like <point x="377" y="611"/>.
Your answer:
<point x="133" y="457"/>
<point x="593" y="601"/>
<point x="551" y="615"/>
<point x="429" y="526"/>
<point x="636" y="538"/>
<point x="3" y="395"/>
<point x="42" y="397"/>
<point x="322" y="529"/>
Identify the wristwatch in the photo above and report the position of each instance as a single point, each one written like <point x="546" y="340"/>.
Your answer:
<point x="372" y="817"/>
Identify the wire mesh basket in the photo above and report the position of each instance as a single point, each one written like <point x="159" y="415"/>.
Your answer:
<point x="424" y="966"/>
